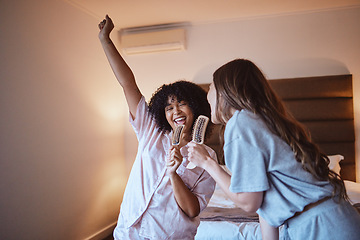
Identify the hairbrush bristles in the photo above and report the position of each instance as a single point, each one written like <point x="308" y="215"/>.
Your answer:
<point x="198" y="134"/>
<point x="176" y="137"/>
<point x="199" y="130"/>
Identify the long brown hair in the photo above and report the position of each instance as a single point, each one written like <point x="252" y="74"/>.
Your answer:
<point x="242" y="85"/>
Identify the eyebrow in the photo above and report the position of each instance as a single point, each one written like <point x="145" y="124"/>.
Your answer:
<point x="172" y="100"/>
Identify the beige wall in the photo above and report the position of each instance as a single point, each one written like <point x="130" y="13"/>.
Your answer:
<point x="66" y="146"/>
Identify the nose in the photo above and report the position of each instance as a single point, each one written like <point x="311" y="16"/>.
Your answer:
<point x="177" y="109"/>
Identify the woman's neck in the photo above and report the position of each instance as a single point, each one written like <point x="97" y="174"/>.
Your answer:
<point x="231" y="113"/>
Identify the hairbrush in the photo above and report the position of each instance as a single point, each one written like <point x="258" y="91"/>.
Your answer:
<point x="198" y="134"/>
<point x="176" y="137"/>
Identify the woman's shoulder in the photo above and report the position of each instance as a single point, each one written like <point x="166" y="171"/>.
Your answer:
<point x="246" y="120"/>
<point x="246" y="125"/>
<point x="144" y="124"/>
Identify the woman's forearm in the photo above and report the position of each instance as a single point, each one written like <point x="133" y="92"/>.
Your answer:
<point x="120" y="68"/>
<point x="248" y="201"/>
<point x="186" y="200"/>
<point x="123" y="74"/>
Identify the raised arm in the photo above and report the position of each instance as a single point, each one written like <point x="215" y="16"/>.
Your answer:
<point x="121" y="70"/>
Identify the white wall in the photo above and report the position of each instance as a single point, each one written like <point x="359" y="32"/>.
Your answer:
<point x="64" y="128"/>
<point x="62" y="171"/>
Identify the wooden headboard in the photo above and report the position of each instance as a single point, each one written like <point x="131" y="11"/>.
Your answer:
<point x="325" y="106"/>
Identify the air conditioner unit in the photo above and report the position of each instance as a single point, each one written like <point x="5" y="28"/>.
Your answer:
<point x="155" y="38"/>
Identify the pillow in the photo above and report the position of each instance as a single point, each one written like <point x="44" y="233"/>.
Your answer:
<point x="353" y="191"/>
<point x="219" y="198"/>
<point x="335" y="162"/>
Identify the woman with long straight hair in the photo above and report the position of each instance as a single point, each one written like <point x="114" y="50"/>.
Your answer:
<point x="276" y="169"/>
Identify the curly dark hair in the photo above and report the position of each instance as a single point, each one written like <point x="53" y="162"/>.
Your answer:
<point x="186" y="91"/>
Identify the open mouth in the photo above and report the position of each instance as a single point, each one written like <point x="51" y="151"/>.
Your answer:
<point x="180" y="120"/>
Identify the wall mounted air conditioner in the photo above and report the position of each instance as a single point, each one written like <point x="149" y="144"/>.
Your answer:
<point x="155" y="38"/>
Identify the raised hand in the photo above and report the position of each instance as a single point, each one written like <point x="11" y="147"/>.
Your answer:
<point x="105" y="26"/>
<point x="174" y="159"/>
<point x="198" y="155"/>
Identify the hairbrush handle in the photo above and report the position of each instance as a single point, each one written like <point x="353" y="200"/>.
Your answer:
<point x="176" y="137"/>
<point x="191" y="165"/>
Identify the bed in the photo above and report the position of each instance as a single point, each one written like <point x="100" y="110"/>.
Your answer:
<point x="325" y="106"/>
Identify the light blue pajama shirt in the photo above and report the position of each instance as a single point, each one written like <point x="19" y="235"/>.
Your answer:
<point x="261" y="161"/>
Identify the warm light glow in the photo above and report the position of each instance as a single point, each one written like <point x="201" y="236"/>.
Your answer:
<point x="110" y="110"/>
<point x="108" y="104"/>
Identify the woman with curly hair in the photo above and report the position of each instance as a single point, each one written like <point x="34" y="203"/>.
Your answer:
<point x="163" y="198"/>
<point x="276" y="169"/>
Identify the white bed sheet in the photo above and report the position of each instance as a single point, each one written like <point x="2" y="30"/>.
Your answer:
<point x="212" y="230"/>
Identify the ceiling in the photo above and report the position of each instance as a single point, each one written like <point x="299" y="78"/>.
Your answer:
<point x="135" y="13"/>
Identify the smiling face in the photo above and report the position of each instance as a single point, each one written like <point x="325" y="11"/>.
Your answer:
<point x="179" y="113"/>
